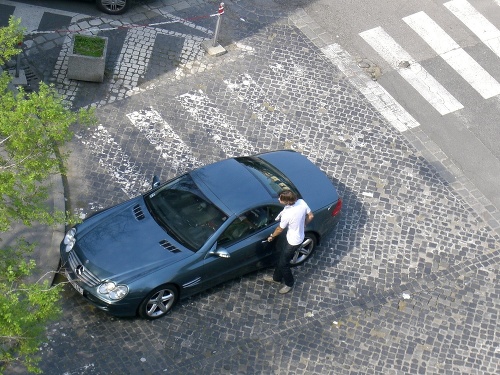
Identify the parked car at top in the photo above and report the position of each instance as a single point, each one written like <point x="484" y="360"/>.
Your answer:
<point x="113" y="6"/>
<point x="193" y="232"/>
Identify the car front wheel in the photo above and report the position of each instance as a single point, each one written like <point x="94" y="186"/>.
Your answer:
<point x="305" y="250"/>
<point x="113" y="6"/>
<point x="158" y="302"/>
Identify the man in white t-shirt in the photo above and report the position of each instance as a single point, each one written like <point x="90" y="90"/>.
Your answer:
<point x="295" y="216"/>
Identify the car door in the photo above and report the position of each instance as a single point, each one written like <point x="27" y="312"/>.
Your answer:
<point x="243" y="245"/>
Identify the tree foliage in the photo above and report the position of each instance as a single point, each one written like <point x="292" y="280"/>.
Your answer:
<point x="25" y="308"/>
<point x="32" y="127"/>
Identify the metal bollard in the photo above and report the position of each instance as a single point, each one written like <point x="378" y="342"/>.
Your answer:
<point x="212" y="47"/>
<point x="217" y="26"/>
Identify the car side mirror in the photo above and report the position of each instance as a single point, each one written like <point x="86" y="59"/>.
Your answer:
<point x="222" y="253"/>
<point x="156" y="182"/>
<point x="218" y="251"/>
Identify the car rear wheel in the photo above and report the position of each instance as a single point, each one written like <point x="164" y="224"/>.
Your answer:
<point x="158" y="302"/>
<point x="305" y="250"/>
<point x="113" y="6"/>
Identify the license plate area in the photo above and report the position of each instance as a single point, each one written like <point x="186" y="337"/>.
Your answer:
<point x="77" y="287"/>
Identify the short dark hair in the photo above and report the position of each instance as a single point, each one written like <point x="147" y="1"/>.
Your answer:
<point x="288" y="197"/>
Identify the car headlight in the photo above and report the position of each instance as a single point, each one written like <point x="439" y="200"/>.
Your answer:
<point x="69" y="239"/>
<point x="110" y="290"/>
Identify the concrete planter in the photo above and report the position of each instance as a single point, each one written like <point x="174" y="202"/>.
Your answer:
<point x="87" y="68"/>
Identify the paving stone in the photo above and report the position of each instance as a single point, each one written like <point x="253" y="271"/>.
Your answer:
<point x="405" y="230"/>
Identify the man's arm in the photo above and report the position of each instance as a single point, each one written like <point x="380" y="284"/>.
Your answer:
<point x="309" y="217"/>
<point x="276" y="232"/>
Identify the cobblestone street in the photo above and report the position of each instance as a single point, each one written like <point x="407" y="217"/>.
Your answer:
<point x="408" y="283"/>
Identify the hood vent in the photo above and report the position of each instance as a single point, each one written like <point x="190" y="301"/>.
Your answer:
<point x="139" y="215"/>
<point x="168" y="246"/>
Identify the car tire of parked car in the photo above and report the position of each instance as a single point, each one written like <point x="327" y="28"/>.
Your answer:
<point x="113" y="6"/>
<point x="305" y="250"/>
<point x="159" y="302"/>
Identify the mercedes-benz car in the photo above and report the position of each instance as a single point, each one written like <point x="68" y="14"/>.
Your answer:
<point x="193" y="232"/>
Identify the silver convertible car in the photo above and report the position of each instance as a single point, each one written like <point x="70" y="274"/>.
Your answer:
<point x="193" y="232"/>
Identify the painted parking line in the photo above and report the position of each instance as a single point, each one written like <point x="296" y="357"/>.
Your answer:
<point x="116" y="162"/>
<point x="383" y="102"/>
<point x="477" y="23"/>
<point x="215" y="123"/>
<point x="414" y="73"/>
<point x="455" y="56"/>
<point x="161" y="135"/>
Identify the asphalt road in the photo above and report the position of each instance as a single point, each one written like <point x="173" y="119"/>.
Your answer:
<point x="468" y="135"/>
<point x="407" y="283"/>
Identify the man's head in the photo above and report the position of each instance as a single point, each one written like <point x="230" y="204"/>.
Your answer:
<point x="287" y="197"/>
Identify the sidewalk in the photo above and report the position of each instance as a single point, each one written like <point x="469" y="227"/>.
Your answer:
<point x="47" y="238"/>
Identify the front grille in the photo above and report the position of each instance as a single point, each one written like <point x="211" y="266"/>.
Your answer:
<point x="82" y="272"/>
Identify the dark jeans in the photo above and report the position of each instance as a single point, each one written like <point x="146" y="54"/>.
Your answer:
<point x="283" y="272"/>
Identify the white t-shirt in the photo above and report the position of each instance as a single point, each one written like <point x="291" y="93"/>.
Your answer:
<point x="294" y="217"/>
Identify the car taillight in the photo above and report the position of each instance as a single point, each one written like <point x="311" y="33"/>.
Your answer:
<point x="337" y="208"/>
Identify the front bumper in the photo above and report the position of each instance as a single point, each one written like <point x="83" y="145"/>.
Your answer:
<point x="125" y="307"/>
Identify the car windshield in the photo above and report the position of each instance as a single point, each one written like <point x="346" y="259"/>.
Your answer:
<point x="184" y="212"/>
<point x="269" y="176"/>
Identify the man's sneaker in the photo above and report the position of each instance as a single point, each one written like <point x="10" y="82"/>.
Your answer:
<point x="285" y="289"/>
<point x="270" y="279"/>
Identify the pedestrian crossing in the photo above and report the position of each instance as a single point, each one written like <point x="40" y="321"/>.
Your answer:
<point x="435" y="36"/>
<point x="133" y="59"/>
<point x="414" y="73"/>
<point x="477" y="23"/>
<point x="164" y="139"/>
<point x="130" y="173"/>
<point x="115" y="161"/>
<point x="455" y="56"/>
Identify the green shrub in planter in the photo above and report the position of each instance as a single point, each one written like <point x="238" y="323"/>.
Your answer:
<point x="87" y="58"/>
<point x="89" y="45"/>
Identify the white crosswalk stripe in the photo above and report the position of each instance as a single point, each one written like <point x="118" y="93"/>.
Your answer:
<point x="455" y="56"/>
<point x="215" y="123"/>
<point x="449" y="50"/>
<point x="115" y="161"/>
<point x="160" y="134"/>
<point x="268" y="113"/>
<point x="414" y="73"/>
<point x="477" y="23"/>
<point x="373" y="91"/>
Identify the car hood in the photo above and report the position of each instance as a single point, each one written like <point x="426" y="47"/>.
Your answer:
<point x="125" y="242"/>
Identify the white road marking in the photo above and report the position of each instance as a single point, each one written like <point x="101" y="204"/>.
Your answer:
<point x="426" y="85"/>
<point x="112" y="158"/>
<point x="455" y="56"/>
<point x="268" y="113"/>
<point x="206" y="113"/>
<point x="160" y="134"/>
<point x="383" y="102"/>
<point x="477" y="23"/>
<point x="31" y="15"/>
